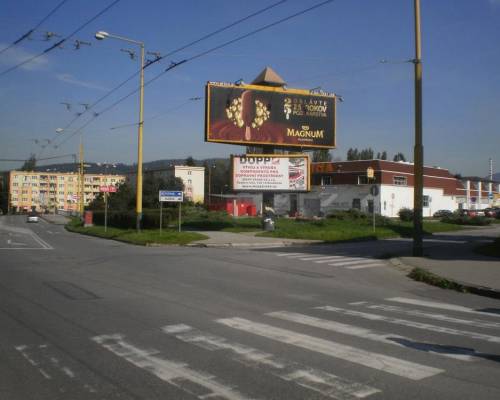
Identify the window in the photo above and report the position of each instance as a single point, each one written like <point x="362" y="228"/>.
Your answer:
<point x="189" y="172"/>
<point x="70" y="179"/>
<point x="326" y="180"/>
<point x="15" y="184"/>
<point x="61" y="185"/>
<point x="356" y="203"/>
<point x="426" y="200"/>
<point x="400" y="181"/>
<point x="53" y="177"/>
<point x="362" y="180"/>
<point x="34" y="184"/>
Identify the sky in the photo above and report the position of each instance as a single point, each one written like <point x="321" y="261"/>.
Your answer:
<point x="359" y="49"/>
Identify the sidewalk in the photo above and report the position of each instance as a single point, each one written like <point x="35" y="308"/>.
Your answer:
<point x="246" y="239"/>
<point x="55" y="219"/>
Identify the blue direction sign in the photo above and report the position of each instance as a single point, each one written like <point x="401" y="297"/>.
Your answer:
<point x="171" y="195"/>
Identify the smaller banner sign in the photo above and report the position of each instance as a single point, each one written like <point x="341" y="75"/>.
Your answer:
<point x="271" y="172"/>
<point x="171" y="195"/>
<point x="107" y="189"/>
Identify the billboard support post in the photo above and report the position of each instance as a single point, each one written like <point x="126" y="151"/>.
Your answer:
<point x="180" y="215"/>
<point x="161" y="215"/>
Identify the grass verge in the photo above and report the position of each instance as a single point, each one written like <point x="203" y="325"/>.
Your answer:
<point x="490" y="249"/>
<point x="335" y="230"/>
<point x="422" y="275"/>
<point x="146" y="237"/>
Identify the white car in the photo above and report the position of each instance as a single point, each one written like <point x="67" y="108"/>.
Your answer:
<point x="32" y="217"/>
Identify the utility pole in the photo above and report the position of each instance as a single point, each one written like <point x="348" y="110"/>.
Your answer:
<point x="418" y="166"/>
<point x="81" y="181"/>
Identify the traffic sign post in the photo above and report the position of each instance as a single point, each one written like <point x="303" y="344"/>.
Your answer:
<point x="106" y="189"/>
<point x="171" y="196"/>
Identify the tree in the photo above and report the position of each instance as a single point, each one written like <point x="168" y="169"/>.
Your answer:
<point x="384" y="155"/>
<point x="30" y="163"/>
<point x="399" y="157"/>
<point x="322" y="155"/>
<point x="190" y="162"/>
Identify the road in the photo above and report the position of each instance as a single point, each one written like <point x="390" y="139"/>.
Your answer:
<point x="85" y="318"/>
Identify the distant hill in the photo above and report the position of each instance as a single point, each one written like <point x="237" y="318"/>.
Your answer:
<point x="122" y="169"/>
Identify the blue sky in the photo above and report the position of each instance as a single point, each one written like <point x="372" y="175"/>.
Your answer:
<point x="338" y="47"/>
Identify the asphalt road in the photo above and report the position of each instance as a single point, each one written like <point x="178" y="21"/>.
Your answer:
<point x="84" y="318"/>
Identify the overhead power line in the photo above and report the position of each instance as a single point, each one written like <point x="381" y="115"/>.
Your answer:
<point x="28" y="33"/>
<point x="60" y="42"/>
<point x="174" y="65"/>
<point x="183" y="47"/>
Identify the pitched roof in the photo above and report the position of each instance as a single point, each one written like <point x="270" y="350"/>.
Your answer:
<point x="269" y="77"/>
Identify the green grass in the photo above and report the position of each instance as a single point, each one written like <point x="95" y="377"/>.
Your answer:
<point x="422" y="275"/>
<point x="490" y="249"/>
<point x="334" y="230"/>
<point x="146" y="237"/>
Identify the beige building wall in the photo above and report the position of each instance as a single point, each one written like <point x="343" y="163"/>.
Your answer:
<point x="46" y="190"/>
<point x="194" y="182"/>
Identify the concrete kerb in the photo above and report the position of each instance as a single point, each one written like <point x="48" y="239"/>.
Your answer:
<point x="468" y="287"/>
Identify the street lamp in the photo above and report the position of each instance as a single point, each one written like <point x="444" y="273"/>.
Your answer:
<point x="101" y="35"/>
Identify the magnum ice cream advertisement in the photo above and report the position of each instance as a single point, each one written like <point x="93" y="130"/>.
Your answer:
<point x="257" y="115"/>
<point x="271" y="172"/>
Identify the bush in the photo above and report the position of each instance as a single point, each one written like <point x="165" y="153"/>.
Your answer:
<point x="127" y="219"/>
<point x="353" y="213"/>
<point x="466" y="220"/>
<point x="406" y="214"/>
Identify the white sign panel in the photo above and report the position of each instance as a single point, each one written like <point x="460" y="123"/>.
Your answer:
<point x="171" y="195"/>
<point x="271" y="172"/>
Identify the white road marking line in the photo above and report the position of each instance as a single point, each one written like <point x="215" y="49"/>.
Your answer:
<point x="24" y="248"/>
<point x="41" y="241"/>
<point x="372" y="265"/>
<point x="319" y="258"/>
<point x="363" y="333"/>
<point x="358" y="261"/>
<point x="169" y="371"/>
<point x="358" y="303"/>
<point x="392" y="365"/>
<point x="317" y="380"/>
<point x="439" y="317"/>
<point x="444" y="306"/>
<point x="23" y="350"/>
<point x="413" y="324"/>
<point x="290" y="254"/>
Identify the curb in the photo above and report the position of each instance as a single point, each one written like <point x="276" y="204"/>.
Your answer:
<point x="467" y="287"/>
<point x="243" y="245"/>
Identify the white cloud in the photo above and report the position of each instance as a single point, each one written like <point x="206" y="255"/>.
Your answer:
<point x="16" y="55"/>
<point x="68" y="78"/>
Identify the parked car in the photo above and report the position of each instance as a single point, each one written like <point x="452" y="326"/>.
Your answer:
<point x="493" y="212"/>
<point x="468" y="213"/>
<point x="442" y="213"/>
<point x="32" y="217"/>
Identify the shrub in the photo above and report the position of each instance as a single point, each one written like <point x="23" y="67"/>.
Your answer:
<point x="466" y="220"/>
<point x="406" y="214"/>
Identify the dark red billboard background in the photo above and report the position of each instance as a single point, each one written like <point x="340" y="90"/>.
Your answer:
<point x="257" y="115"/>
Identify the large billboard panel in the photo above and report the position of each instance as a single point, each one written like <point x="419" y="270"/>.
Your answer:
<point x="262" y="115"/>
<point x="271" y="172"/>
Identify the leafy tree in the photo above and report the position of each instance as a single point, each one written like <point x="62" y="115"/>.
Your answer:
<point x="190" y="162"/>
<point x="322" y="155"/>
<point x="399" y="157"/>
<point x="384" y="155"/>
<point x="30" y="163"/>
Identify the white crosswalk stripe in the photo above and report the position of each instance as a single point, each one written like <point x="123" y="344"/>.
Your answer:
<point x="352" y="263"/>
<point x="412" y="324"/>
<point x="363" y="333"/>
<point x="311" y="378"/>
<point x="429" y="315"/>
<point x="392" y="365"/>
<point x="175" y="373"/>
<point x="443" y="306"/>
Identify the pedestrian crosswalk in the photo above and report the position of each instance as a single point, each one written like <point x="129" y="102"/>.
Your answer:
<point x="347" y="262"/>
<point x="353" y="340"/>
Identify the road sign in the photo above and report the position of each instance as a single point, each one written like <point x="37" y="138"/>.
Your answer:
<point x="107" y="189"/>
<point x="171" y="195"/>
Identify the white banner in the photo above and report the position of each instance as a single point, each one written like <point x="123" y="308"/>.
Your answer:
<point x="271" y="172"/>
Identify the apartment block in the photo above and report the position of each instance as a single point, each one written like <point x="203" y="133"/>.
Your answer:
<point x="40" y="191"/>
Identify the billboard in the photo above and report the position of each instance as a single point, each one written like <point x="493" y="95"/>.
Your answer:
<point x="262" y="115"/>
<point x="271" y="172"/>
